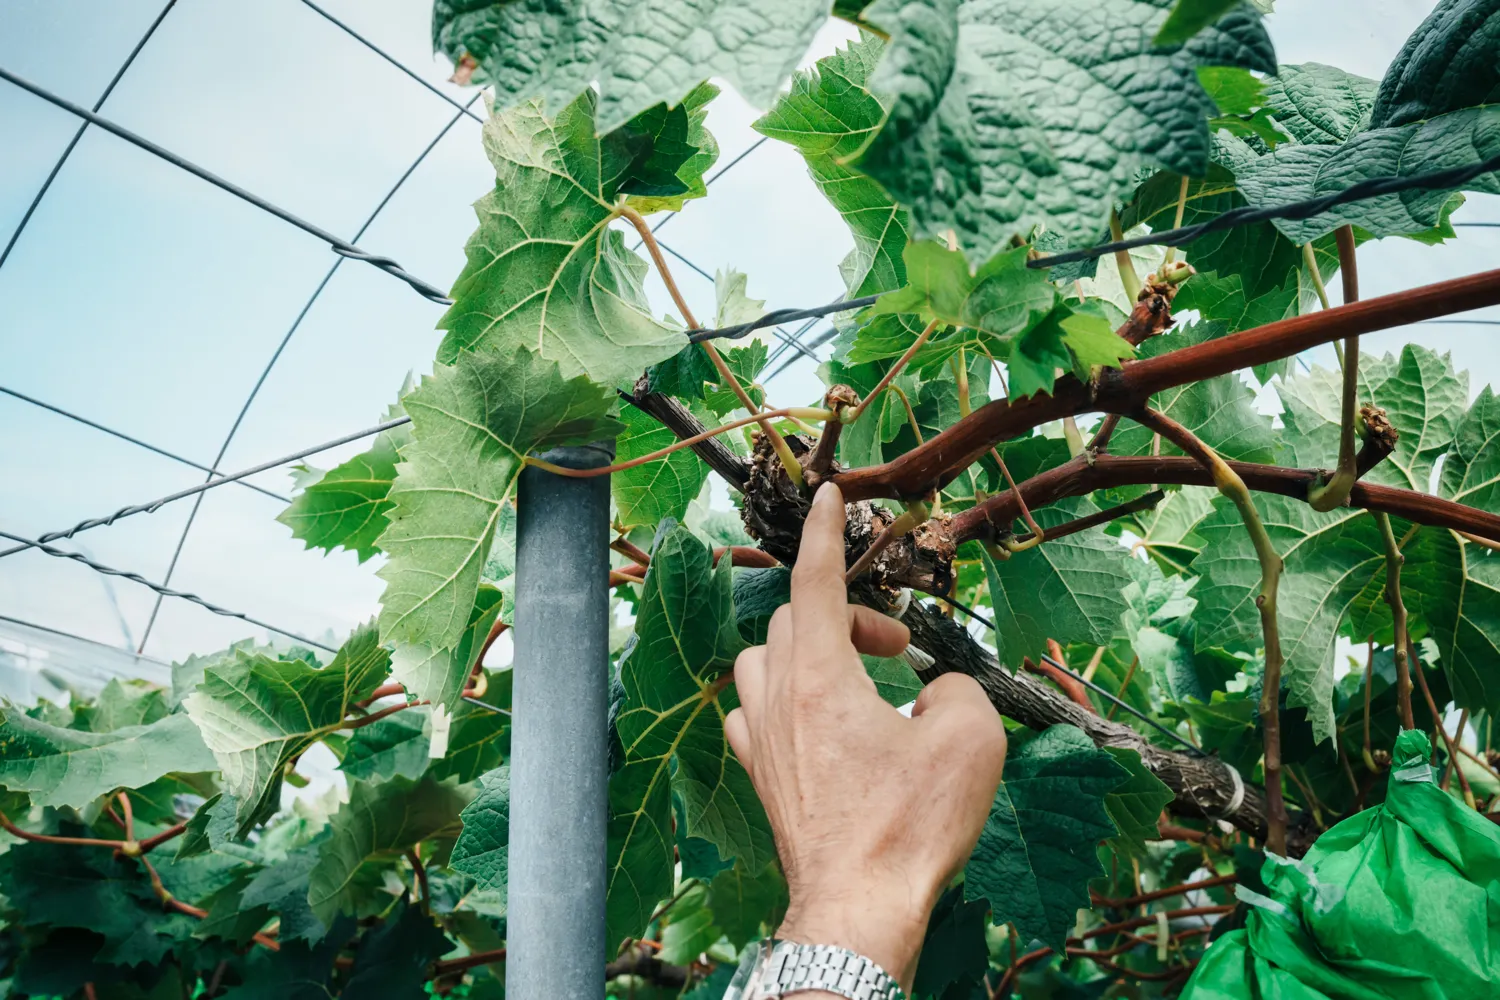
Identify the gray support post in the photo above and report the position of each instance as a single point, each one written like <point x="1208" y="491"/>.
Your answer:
<point x="555" y="948"/>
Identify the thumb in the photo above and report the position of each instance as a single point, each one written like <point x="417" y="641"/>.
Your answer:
<point x="949" y="694"/>
<point x="954" y="709"/>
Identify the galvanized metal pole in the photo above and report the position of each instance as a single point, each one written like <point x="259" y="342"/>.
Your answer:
<point x="555" y="948"/>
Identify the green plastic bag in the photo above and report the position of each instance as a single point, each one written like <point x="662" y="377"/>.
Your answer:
<point x="1398" y="902"/>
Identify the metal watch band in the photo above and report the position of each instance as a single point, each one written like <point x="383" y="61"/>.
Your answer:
<point x="785" y="968"/>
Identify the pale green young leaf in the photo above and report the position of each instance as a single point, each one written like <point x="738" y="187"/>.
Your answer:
<point x="69" y="767"/>
<point x="473" y="423"/>
<point x="1224" y="299"/>
<point x="345" y="507"/>
<point x="828" y="116"/>
<point x="394" y="746"/>
<point x="545" y="269"/>
<point x="256" y="714"/>
<point x="673" y="709"/>
<point x="121" y="703"/>
<point x="379" y="819"/>
<point x="1471" y="472"/>
<point x="1030" y="158"/>
<point x="1453" y="587"/>
<point x="1066" y="589"/>
<point x="1036" y="854"/>
<point x="439" y="675"/>
<point x="1168" y="530"/>
<point x="481" y="851"/>
<point x="637" y="54"/>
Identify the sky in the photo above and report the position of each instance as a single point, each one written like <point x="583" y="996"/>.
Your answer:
<point x="142" y="298"/>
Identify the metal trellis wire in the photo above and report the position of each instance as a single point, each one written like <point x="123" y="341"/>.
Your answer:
<point x="339" y="246"/>
<point x="281" y="347"/>
<point x="161" y="589"/>
<point x="465" y="108"/>
<point x="152" y="506"/>
<point x="78" y="135"/>
<point x="133" y="440"/>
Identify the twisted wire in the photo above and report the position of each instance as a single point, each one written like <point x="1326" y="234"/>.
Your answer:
<point x="337" y="244"/>
<point x="163" y="591"/>
<point x="151" y="506"/>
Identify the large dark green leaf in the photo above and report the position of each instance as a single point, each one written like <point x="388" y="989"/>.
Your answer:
<point x="1067" y="589"/>
<point x="685" y="639"/>
<point x="1320" y="104"/>
<point x="637" y="54"/>
<point x="1036" y="855"/>
<point x="482" y="848"/>
<point x="985" y="135"/>
<point x="379" y="819"/>
<point x="1448" y="63"/>
<point x="393" y="958"/>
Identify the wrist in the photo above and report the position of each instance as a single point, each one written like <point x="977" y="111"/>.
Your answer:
<point x="885" y="927"/>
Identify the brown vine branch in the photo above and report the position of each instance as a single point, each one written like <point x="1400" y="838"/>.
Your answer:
<point x="474" y="961"/>
<point x="895" y="369"/>
<point x="1393" y="563"/>
<point x="46" y="838"/>
<point x="1151" y="897"/>
<point x="1233" y="487"/>
<point x="420" y="871"/>
<point x="937" y="462"/>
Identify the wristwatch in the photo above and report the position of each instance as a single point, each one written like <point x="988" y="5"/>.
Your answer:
<point x="784" y="968"/>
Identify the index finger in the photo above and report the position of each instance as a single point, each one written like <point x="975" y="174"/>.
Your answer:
<point x="820" y="602"/>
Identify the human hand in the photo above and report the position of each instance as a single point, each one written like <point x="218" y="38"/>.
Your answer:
<point x="873" y="812"/>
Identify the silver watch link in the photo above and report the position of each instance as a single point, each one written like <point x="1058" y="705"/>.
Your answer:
<point x="784" y="968"/>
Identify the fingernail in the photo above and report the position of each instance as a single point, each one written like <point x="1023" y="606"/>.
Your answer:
<point x="827" y="493"/>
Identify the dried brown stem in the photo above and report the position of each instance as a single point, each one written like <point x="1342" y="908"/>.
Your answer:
<point x="1393" y="563"/>
<point x="936" y="463"/>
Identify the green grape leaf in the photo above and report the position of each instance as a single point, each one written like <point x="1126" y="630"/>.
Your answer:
<point x="1471" y="472"/>
<point x="1234" y="91"/>
<point x="1329" y="559"/>
<point x="661" y="488"/>
<point x="636" y="55"/>
<point x="1036" y="854"/>
<point x="379" y="819"/>
<point x="394" y="958"/>
<point x="954" y="948"/>
<point x="984" y="135"/>
<point x="742" y="902"/>
<point x="474" y="423"/>
<point x="895" y="681"/>
<point x="1224" y="299"/>
<point x="396" y="745"/>
<point x="257" y="714"/>
<point x="346" y="506"/>
<point x="67" y="767"/>
<point x="122" y="703"/>
<point x="64" y="885"/>
<point x="213" y="828"/>
<point x="1066" y="589"/>
<point x="1135" y="805"/>
<point x="1167" y="531"/>
<point x="478" y="742"/>
<point x="1422" y="395"/>
<point x="689" y="930"/>
<point x="1189" y="17"/>
<point x="828" y="115"/>
<point x="1448" y="63"/>
<point x="758" y="593"/>
<point x="1220" y="411"/>
<point x="695" y="141"/>
<point x="482" y="847"/>
<point x="1228" y="725"/>
<point x="685" y="640"/>
<point x="282" y="887"/>
<point x="545" y="270"/>
<point x="440" y="675"/>
<point x="297" y="971"/>
<point x="1300" y="172"/>
<point x="1320" y="104"/>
